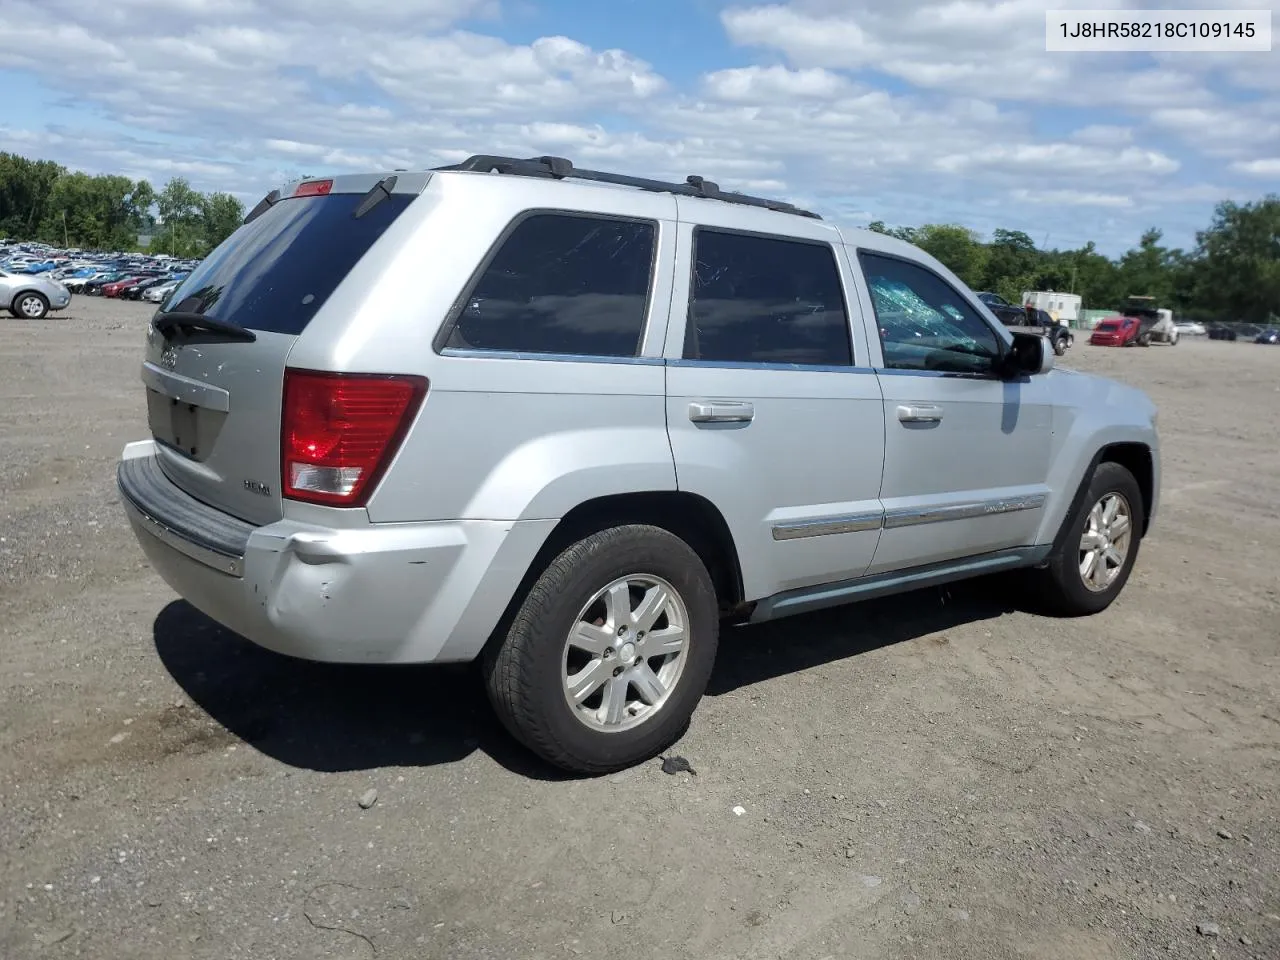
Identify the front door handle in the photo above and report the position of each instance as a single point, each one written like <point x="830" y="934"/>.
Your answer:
<point x="721" y="411"/>
<point x="919" y="413"/>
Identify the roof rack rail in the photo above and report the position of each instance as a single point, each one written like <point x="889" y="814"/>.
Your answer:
<point x="559" y="168"/>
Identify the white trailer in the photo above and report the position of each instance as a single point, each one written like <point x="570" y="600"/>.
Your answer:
<point x="1063" y="307"/>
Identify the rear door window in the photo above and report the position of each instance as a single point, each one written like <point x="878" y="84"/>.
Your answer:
<point x="758" y="299"/>
<point x="276" y="271"/>
<point x="562" y="283"/>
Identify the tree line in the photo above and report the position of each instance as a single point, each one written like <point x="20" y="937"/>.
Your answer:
<point x="42" y="200"/>
<point x="1232" y="272"/>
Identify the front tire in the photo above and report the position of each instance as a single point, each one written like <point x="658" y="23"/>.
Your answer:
<point x="609" y="652"/>
<point x="1098" y="549"/>
<point x="1060" y="346"/>
<point x="29" y="305"/>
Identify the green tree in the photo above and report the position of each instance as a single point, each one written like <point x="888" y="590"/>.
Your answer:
<point x="221" y="214"/>
<point x="1148" y="270"/>
<point x="180" y="229"/>
<point x="141" y="199"/>
<point x="1012" y="265"/>
<point x="958" y="248"/>
<point x="1235" y="269"/>
<point x="902" y="233"/>
<point x="89" y="211"/>
<point x="25" y="186"/>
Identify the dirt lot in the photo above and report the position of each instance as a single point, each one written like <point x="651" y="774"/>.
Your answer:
<point x="932" y="776"/>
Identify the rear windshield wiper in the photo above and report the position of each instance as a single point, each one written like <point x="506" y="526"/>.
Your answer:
<point x="167" y="323"/>
<point x="263" y="205"/>
<point x="377" y="193"/>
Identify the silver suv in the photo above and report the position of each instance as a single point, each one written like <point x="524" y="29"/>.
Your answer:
<point x="567" y="424"/>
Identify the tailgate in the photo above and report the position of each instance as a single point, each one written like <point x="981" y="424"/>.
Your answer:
<point x="214" y="399"/>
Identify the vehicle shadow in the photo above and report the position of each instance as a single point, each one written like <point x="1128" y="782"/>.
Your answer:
<point x="786" y="646"/>
<point x="330" y="718"/>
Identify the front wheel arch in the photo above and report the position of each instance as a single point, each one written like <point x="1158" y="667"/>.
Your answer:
<point x="1135" y="457"/>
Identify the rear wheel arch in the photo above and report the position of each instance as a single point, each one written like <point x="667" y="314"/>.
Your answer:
<point x="691" y="517"/>
<point x="688" y="516"/>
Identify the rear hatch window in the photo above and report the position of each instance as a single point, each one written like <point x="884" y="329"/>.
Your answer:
<point x="214" y="393"/>
<point x="1109" y="326"/>
<point x="275" y="272"/>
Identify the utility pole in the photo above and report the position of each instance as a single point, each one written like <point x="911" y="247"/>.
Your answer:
<point x="65" y="242"/>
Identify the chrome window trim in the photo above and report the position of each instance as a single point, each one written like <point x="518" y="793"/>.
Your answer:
<point x="465" y="353"/>
<point x="765" y="365"/>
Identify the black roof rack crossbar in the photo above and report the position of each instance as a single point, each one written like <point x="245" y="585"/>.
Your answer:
<point x="559" y="168"/>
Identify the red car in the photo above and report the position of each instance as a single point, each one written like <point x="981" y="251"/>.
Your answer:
<point x="113" y="289"/>
<point x="1116" y="332"/>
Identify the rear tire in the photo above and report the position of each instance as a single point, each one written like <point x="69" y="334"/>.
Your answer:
<point x="1060" y="346"/>
<point x="1091" y="566"/>
<point x="578" y="679"/>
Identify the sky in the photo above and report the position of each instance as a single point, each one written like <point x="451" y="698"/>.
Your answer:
<point x="906" y="111"/>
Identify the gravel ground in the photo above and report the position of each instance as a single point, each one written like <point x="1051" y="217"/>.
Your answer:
<point x="933" y="776"/>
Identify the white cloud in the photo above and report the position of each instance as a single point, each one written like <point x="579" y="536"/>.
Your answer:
<point x="1072" y="198"/>
<point x="1103" y="135"/>
<point x="1062" y="158"/>
<point x="1224" y="131"/>
<point x="775" y="82"/>
<point x="1266" y="167"/>
<point x="238" y="94"/>
<point x="984" y="49"/>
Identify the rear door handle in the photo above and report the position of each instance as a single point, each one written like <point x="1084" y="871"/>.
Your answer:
<point x="721" y="411"/>
<point x="919" y="413"/>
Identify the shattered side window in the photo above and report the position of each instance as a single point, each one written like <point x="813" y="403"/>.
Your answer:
<point x="563" y="284"/>
<point x="924" y="323"/>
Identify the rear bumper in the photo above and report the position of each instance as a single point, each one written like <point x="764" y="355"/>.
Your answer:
<point x="375" y="593"/>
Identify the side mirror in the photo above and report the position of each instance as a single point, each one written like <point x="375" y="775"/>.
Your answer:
<point x="1030" y="355"/>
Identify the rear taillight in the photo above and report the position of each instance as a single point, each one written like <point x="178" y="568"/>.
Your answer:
<point x="340" y="430"/>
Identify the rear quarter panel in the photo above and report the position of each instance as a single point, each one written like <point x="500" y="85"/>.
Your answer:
<point x="500" y="436"/>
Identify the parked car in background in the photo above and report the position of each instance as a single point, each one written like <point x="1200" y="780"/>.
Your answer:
<point x="1035" y="320"/>
<point x="160" y="292"/>
<point x="1189" y="328"/>
<point x="1271" y="335"/>
<point x="1119" y="331"/>
<point x="136" y="291"/>
<point x="1156" y="323"/>
<point x="31" y="296"/>
<point x="93" y="288"/>
<point x="1006" y="312"/>
<point x="119" y="286"/>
